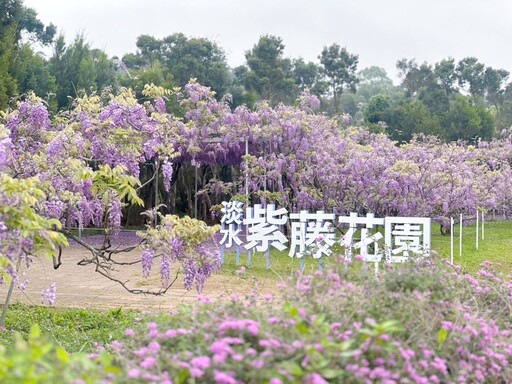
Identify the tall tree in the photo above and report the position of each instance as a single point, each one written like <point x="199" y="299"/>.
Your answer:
<point x="17" y="24"/>
<point x="468" y="120"/>
<point x="471" y="76"/>
<point x="32" y="73"/>
<point x="77" y="67"/>
<point x="495" y="81"/>
<point x="339" y="67"/>
<point x="269" y="74"/>
<point x="308" y="76"/>
<point x="445" y="75"/>
<point x="8" y="86"/>
<point x="184" y="58"/>
<point x="25" y="21"/>
<point x="373" y="81"/>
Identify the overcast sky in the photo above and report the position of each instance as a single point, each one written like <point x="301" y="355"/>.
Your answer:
<point x="379" y="31"/>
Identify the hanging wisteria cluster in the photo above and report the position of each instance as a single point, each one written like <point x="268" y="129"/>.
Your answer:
<point x="86" y="164"/>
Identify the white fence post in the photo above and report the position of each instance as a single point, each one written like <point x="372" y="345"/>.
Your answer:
<point x="451" y="239"/>
<point x="460" y="236"/>
<point x="477" y="214"/>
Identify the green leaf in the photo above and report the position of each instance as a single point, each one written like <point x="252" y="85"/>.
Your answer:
<point x="292" y="368"/>
<point x="331" y="374"/>
<point x="35" y="332"/>
<point x="441" y="336"/>
<point x="302" y="328"/>
<point x="62" y="355"/>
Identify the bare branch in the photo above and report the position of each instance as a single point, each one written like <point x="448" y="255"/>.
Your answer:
<point x="149" y="181"/>
<point x="134" y="290"/>
<point x="57" y="260"/>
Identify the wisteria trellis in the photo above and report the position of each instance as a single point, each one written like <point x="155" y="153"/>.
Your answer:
<point x="299" y="160"/>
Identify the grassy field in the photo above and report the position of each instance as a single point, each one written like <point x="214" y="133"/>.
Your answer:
<point x="76" y="330"/>
<point x="496" y="246"/>
<point x="79" y="329"/>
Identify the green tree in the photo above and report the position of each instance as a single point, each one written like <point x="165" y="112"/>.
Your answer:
<point x="432" y="85"/>
<point x="339" y="68"/>
<point x="446" y="76"/>
<point x="17" y="23"/>
<point x="77" y="67"/>
<point x="32" y="73"/>
<point x="403" y="119"/>
<point x="8" y="86"/>
<point x="14" y="14"/>
<point x="471" y="76"/>
<point x="468" y="121"/>
<point x="495" y="86"/>
<point x="415" y="77"/>
<point x="309" y="76"/>
<point x="269" y="74"/>
<point x="373" y="81"/>
<point x="237" y="88"/>
<point x="412" y="117"/>
<point x="137" y="77"/>
<point x="379" y="108"/>
<point x="183" y="58"/>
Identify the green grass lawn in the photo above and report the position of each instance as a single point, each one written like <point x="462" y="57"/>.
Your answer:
<point x="496" y="247"/>
<point x="73" y="329"/>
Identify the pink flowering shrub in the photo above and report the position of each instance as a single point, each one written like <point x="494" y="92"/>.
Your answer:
<point x="420" y="322"/>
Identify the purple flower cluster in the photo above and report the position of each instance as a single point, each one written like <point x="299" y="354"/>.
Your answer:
<point x="147" y="261"/>
<point x="5" y="147"/>
<point x="167" y="173"/>
<point x="114" y="215"/>
<point x="49" y="294"/>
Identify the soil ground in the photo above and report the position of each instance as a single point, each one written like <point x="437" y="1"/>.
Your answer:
<point x="82" y="287"/>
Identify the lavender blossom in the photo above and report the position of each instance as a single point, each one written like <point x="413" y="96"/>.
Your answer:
<point x="114" y="215"/>
<point x="167" y="173"/>
<point x="49" y="294"/>
<point x="147" y="261"/>
<point x="165" y="271"/>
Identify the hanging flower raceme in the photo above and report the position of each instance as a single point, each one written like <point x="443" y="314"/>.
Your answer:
<point x="167" y="173"/>
<point x="186" y="241"/>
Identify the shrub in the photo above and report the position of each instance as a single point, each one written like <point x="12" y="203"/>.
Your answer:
<point x="420" y="322"/>
<point x="39" y="360"/>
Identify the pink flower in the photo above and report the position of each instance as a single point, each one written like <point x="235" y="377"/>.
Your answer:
<point x="204" y="299"/>
<point x="201" y="362"/>
<point x="154" y="346"/>
<point x="116" y="346"/>
<point x="223" y="378"/>
<point x="170" y="333"/>
<point x="141" y="352"/>
<point x="152" y="326"/>
<point x="196" y="372"/>
<point x="129" y="332"/>
<point x="148" y="362"/>
<point x="133" y="373"/>
<point x="315" y="378"/>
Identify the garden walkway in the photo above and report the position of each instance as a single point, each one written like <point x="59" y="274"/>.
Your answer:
<point x="80" y="286"/>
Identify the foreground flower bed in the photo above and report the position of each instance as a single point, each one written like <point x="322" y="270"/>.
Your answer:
<point x="420" y="322"/>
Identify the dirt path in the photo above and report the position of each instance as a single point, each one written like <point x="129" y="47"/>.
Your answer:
<point x="81" y="286"/>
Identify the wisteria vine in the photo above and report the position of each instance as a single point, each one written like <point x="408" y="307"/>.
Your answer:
<point x="87" y="162"/>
